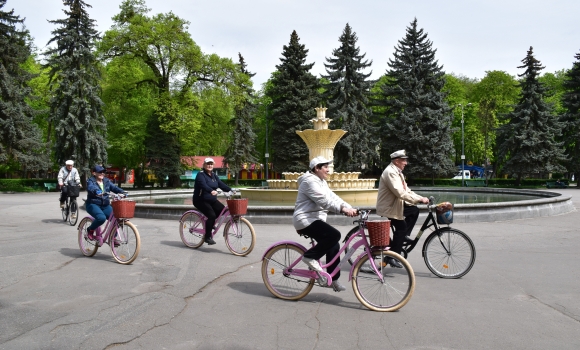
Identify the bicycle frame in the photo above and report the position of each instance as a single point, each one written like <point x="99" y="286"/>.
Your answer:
<point x="313" y="274"/>
<point x="224" y="217"/>
<point x="112" y="223"/>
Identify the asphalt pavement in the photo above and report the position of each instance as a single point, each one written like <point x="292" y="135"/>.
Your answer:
<point x="522" y="293"/>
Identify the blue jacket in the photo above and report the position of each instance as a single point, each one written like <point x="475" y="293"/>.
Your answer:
<point x="93" y="187"/>
<point x="204" y="184"/>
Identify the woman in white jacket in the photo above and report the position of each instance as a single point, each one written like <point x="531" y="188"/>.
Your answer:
<point x="312" y="203"/>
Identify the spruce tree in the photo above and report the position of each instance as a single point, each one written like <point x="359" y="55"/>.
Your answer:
<point x="242" y="149"/>
<point x="528" y="141"/>
<point x="417" y="119"/>
<point x="20" y="138"/>
<point x="76" y="108"/>
<point x="571" y="102"/>
<point x="347" y="94"/>
<point x="294" y="96"/>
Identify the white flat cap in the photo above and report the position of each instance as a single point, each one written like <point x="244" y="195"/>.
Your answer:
<point x="319" y="160"/>
<point x="399" y="154"/>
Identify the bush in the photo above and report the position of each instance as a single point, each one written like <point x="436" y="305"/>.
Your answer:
<point x="23" y="185"/>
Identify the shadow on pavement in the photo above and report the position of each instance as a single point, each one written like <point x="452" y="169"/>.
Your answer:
<point x="204" y="248"/>
<point x="100" y="255"/>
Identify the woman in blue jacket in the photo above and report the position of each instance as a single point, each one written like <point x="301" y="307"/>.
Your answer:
<point x="205" y="196"/>
<point x="98" y="204"/>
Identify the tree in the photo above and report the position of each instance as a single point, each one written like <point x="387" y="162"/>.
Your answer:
<point x="294" y="96"/>
<point x="242" y="148"/>
<point x="571" y="102"/>
<point x="192" y="90"/>
<point x="528" y="140"/>
<point x="417" y="118"/>
<point x="20" y="139"/>
<point x="76" y="110"/>
<point x="347" y="94"/>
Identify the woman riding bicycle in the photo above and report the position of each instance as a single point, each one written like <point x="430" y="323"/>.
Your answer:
<point x="98" y="203"/>
<point x="205" y="196"/>
<point x="313" y="201"/>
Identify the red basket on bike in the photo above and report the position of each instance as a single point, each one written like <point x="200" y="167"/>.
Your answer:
<point x="124" y="209"/>
<point x="238" y="206"/>
<point x="379" y="232"/>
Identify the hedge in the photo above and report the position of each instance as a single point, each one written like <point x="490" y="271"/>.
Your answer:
<point x="24" y="185"/>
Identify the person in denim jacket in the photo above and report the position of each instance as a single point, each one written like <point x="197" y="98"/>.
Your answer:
<point x="205" y="196"/>
<point x="98" y="204"/>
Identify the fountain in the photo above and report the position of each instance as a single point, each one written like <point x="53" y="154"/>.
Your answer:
<point x="275" y="205"/>
<point x="321" y="142"/>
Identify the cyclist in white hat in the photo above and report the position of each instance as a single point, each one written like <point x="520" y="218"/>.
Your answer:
<point x="68" y="175"/>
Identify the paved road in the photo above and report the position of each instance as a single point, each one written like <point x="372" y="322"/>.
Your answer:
<point x="522" y="293"/>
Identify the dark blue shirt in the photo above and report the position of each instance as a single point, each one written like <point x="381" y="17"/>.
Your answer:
<point x="93" y="187"/>
<point x="205" y="184"/>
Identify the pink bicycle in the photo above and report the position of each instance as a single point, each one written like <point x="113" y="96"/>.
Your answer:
<point x="238" y="233"/>
<point x="119" y="233"/>
<point x="379" y="288"/>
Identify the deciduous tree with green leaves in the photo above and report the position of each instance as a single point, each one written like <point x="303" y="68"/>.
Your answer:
<point x="242" y="148"/>
<point x="528" y="141"/>
<point x="417" y="117"/>
<point x="571" y="118"/>
<point x="76" y="109"/>
<point x="348" y="96"/>
<point x="294" y="94"/>
<point x="20" y="138"/>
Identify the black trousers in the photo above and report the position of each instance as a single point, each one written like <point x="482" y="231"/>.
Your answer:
<point x="403" y="227"/>
<point x="327" y="238"/>
<point x="212" y="211"/>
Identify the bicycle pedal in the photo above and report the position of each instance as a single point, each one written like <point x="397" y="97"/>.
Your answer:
<point x="322" y="280"/>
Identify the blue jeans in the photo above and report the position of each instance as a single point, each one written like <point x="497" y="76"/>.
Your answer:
<point x="99" y="213"/>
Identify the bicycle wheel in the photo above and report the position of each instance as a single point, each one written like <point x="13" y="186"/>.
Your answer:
<point x="88" y="247"/>
<point x="64" y="211"/>
<point x="192" y="230"/>
<point x="73" y="215"/>
<point x="449" y="253"/>
<point x="281" y="284"/>
<point x="240" y="236"/>
<point x="127" y="245"/>
<point x="393" y="293"/>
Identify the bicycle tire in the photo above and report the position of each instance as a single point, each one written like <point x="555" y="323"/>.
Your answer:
<point x="393" y="293"/>
<point x="73" y="215"/>
<point x="281" y="285"/>
<point x="240" y="237"/>
<point x="87" y="246"/>
<point x="192" y="230"/>
<point x="454" y="258"/>
<point x="129" y="243"/>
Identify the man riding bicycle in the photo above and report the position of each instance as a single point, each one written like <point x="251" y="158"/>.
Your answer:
<point x="396" y="201"/>
<point x="67" y="176"/>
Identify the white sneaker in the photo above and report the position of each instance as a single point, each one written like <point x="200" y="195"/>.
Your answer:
<point x="337" y="286"/>
<point x="312" y="264"/>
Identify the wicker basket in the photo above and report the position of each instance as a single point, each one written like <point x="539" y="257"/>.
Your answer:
<point x="379" y="232"/>
<point x="124" y="209"/>
<point x="238" y="206"/>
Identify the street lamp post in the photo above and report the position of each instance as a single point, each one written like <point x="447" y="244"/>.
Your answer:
<point x="462" y="149"/>
<point x="267" y="155"/>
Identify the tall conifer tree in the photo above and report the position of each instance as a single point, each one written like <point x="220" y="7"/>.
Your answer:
<point x="418" y="119"/>
<point x="294" y="96"/>
<point x="347" y="94"/>
<point x="20" y="138"/>
<point x="242" y="149"/>
<point x="76" y="108"/>
<point x="571" y="101"/>
<point x="527" y="142"/>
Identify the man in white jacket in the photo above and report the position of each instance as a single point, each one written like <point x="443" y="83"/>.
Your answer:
<point x="68" y="175"/>
<point x="313" y="202"/>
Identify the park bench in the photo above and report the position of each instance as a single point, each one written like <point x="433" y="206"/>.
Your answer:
<point x="145" y="184"/>
<point x="475" y="183"/>
<point x="555" y="184"/>
<point x="49" y="186"/>
<point x="264" y="184"/>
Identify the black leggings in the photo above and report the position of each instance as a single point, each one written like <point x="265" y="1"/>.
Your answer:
<point x="212" y="211"/>
<point x="327" y="238"/>
<point x="403" y="227"/>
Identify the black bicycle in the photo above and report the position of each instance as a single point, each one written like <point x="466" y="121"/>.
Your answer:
<point x="448" y="252"/>
<point x="70" y="210"/>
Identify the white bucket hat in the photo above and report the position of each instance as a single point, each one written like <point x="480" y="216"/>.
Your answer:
<point x="319" y="160"/>
<point x="69" y="162"/>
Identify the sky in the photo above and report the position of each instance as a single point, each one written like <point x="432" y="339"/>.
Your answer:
<point x="471" y="36"/>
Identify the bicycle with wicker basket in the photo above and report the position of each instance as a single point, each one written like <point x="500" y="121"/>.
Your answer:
<point x="119" y="233"/>
<point x="238" y="232"/>
<point x="448" y="252"/>
<point x="380" y="288"/>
